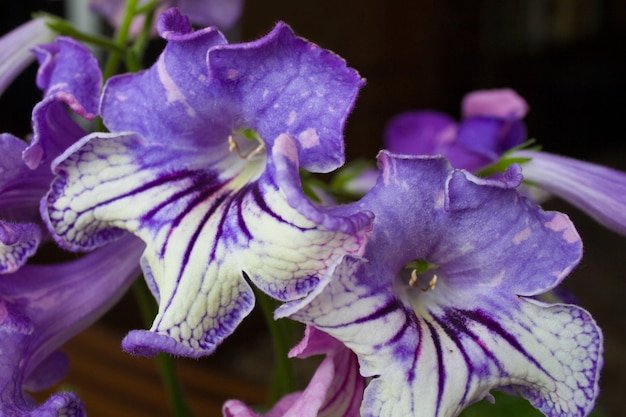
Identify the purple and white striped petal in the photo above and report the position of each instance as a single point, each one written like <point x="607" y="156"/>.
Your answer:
<point x="205" y="230"/>
<point x="597" y="190"/>
<point x="335" y="390"/>
<point x="441" y="338"/>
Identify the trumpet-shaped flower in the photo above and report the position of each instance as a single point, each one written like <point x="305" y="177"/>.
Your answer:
<point x="442" y="307"/>
<point x="335" y="390"/>
<point x="202" y="164"/>
<point x="15" y="54"/>
<point x="491" y="126"/>
<point x="43" y="306"/>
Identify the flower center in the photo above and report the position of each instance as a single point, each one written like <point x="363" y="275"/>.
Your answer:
<point x="247" y="143"/>
<point x="423" y="275"/>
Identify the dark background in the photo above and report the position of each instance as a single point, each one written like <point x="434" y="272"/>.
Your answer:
<point x="566" y="57"/>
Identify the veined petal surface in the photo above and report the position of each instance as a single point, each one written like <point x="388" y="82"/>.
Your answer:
<point x="440" y="338"/>
<point x="20" y="192"/>
<point x="204" y="229"/>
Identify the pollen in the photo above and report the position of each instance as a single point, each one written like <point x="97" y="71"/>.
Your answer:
<point x="413" y="282"/>
<point x="234" y="146"/>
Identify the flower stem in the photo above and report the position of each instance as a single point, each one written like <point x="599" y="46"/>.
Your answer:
<point x="282" y="332"/>
<point x="120" y="39"/>
<point x="178" y="402"/>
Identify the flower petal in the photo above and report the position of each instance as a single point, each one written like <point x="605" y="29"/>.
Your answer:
<point x="18" y="242"/>
<point x="42" y="306"/>
<point x="205" y="230"/>
<point x="420" y="133"/>
<point x="297" y="87"/>
<point x="15" y="54"/>
<point x="70" y="76"/>
<point x="336" y="388"/>
<point x="597" y="190"/>
<point x="439" y="346"/>
<point x="502" y="103"/>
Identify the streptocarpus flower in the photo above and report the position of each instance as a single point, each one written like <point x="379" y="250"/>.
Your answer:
<point x="15" y="54"/>
<point x="335" y="390"/>
<point x="442" y="307"/>
<point x="221" y="13"/>
<point x="202" y="164"/>
<point x="490" y="128"/>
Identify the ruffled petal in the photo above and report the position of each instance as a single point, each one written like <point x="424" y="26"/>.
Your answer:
<point x="465" y="325"/>
<point x="70" y="76"/>
<point x="285" y="84"/>
<point x="205" y="230"/>
<point x="597" y="190"/>
<point x="18" y="242"/>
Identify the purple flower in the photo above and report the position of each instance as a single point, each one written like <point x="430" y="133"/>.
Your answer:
<point x="492" y="124"/>
<point x="15" y="54"/>
<point x="336" y="389"/>
<point x="490" y="129"/>
<point x="221" y="13"/>
<point x="42" y="306"/>
<point x="202" y="165"/>
<point x="442" y="306"/>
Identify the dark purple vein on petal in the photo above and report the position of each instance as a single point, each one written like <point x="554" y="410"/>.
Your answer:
<point x="440" y="365"/>
<point x="452" y="334"/>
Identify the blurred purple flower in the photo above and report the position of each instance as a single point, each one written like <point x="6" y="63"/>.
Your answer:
<point x="221" y="13"/>
<point x="491" y="127"/>
<point x="15" y="49"/>
<point x="335" y="390"/>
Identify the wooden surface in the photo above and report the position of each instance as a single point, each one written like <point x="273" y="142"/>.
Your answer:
<point x="113" y="383"/>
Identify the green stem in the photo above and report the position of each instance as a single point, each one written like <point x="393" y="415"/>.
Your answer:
<point x="65" y="28"/>
<point x="178" y="402"/>
<point x="284" y="377"/>
<point x="120" y="39"/>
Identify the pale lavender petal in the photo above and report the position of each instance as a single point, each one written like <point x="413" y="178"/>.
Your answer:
<point x="43" y="306"/>
<point x="597" y="190"/>
<point x="502" y="103"/>
<point x="221" y="13"/>
<point x="205" y="230"/>
<point x="468" y="324"/>
<point x="70" y="76"/>
<point x="15" y="53"/>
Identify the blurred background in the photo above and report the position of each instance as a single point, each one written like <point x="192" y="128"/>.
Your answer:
<point x="565" y="57"/>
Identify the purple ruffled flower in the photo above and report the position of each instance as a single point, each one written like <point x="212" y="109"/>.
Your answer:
<point x="491" y="126"/>
<point x="202" y="164"/>
<point x="15" y="54"/>
<point x="335" y="390"/>
<point x="221" y="13"/>
<point x="43" y="306"/>
<point x="441" y="308"/>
